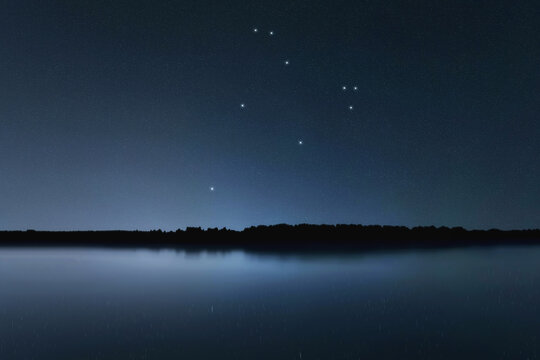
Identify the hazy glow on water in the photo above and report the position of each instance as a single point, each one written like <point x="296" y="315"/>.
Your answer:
<point x="110" y="304"/>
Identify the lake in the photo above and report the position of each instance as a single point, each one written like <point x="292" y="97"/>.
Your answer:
<point x="91" y="303"/>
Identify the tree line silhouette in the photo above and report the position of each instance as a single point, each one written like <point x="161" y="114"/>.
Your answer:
<point x="280" y="237"/>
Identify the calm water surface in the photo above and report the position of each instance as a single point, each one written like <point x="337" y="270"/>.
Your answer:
<point x="143" y="304"/>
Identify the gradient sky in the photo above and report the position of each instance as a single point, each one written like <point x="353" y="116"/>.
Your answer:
<point x="123" y="114"/>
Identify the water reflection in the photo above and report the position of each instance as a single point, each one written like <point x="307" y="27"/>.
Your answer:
<point x="147" y="304"/>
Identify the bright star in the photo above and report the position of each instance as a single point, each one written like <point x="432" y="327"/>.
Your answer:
<point x="211" y="188"/>
<point x="286" y="62"/>
<point x="271" y="33"/>
<point x="350" y="107"/>
<point x="242" y="105"/>
<point x="344" y="87"/>
<point x="255" y="30"/>
<point x="355" y="88"/>
<point x="300" y="142"/>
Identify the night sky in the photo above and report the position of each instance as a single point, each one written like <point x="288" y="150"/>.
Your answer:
<point x="166" y="114"/>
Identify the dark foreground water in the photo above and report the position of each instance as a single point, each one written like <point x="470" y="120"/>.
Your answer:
<point x="143" y="304"/>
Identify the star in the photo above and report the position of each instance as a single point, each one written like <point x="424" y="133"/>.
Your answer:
<point x="255" y="30"/>
<point x="271" y="33"/>
<point x="355" y="88"/>
<point x="344" y="88"/>
<point x="300" y="142"/>
<point x="211" y="188"/>
<point x="351" y="107"/>
<point x="286" y="62"/>
<point x="242" y="105"/>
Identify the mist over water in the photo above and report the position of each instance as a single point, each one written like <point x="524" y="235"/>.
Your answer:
<point x="89" y="303"/>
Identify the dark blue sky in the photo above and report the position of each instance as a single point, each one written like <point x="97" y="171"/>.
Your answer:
<point x="123" y="114"/>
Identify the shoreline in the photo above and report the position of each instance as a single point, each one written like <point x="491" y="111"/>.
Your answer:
<point x="279" y="238"/>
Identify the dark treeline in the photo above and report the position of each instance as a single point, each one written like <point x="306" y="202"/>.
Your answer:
<point x="279" y="238"/>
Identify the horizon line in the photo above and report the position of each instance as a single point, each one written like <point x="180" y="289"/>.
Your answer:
<point x="216" y="228"/>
